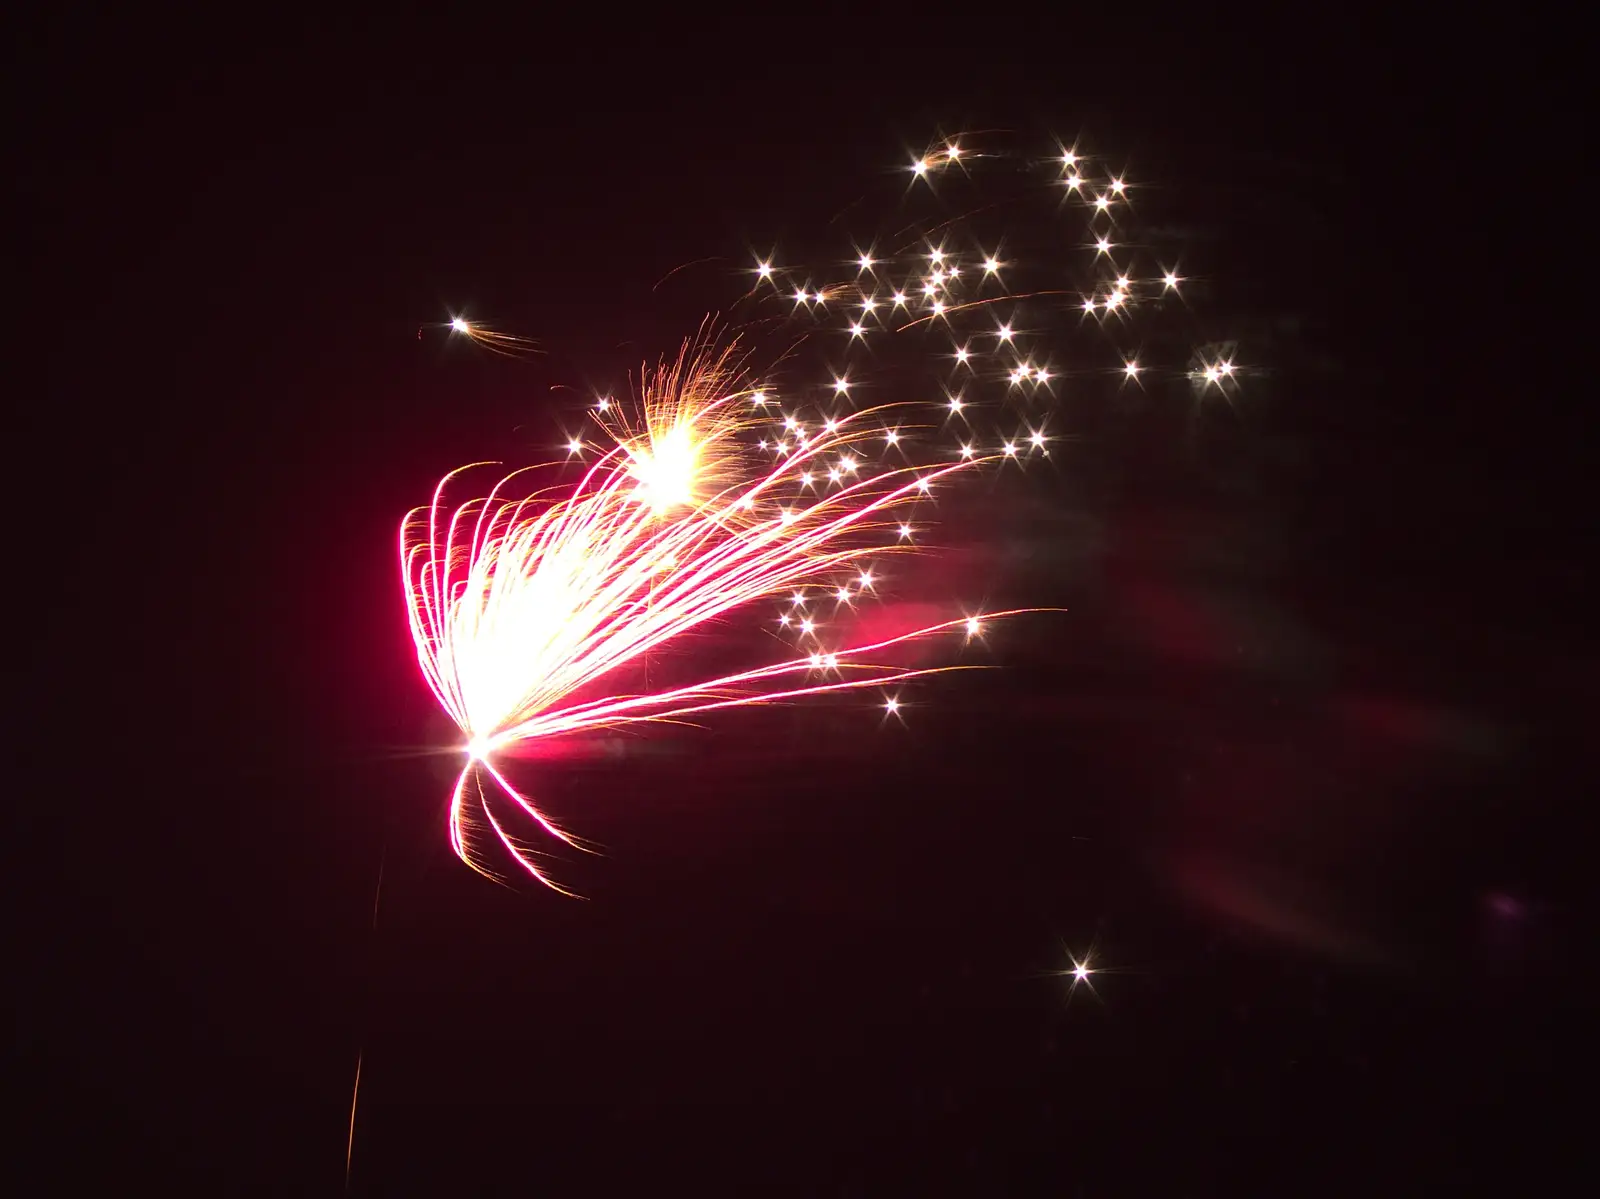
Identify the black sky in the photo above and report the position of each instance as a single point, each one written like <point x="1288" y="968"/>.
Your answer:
<point x="1302" y="768"/>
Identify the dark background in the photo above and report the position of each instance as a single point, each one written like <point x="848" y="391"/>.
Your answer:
<point x="1301" y="769"/>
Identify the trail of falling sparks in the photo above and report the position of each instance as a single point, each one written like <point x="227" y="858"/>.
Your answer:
<point x="531" y="608"/>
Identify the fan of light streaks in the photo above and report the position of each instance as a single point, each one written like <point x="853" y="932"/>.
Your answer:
<point x="521" y="603"/>
<point x="715" y="488"/>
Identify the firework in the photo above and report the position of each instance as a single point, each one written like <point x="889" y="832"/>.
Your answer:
<point x="482" y="335"/>
<point x="534" y="604"/>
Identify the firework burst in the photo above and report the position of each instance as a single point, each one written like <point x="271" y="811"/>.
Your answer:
<point x="533" y="604"/>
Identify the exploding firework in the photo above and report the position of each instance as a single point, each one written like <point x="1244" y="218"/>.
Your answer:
<point x="534" y="604"/>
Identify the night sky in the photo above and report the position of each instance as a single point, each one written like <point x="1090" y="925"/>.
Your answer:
<point x="1299" y="770"/>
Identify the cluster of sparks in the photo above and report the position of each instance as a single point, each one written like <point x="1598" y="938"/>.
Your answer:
<point x="715" y="488"/>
